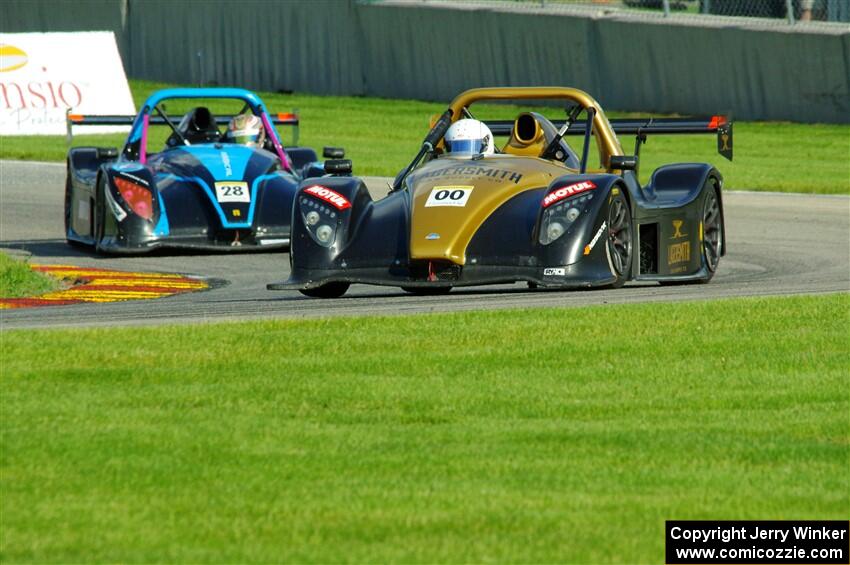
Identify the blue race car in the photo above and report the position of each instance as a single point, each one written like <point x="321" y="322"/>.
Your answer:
<point x="191" y="184"/>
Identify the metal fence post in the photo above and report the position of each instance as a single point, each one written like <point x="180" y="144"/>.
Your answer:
<point x="789" y="8"/>
<point x="666" y="4"/>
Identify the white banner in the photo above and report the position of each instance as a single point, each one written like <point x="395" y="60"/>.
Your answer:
<point x="44" y="74"/>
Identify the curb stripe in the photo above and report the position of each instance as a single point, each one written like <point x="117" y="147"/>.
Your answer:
<point x="105" y="285"/>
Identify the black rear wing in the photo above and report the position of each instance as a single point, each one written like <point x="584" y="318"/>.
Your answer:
<point x="641" y="127"/>
<point x="71" y="120"/>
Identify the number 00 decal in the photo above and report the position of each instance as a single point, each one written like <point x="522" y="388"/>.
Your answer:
<point x="232" y="192"/>
<point x="448" y="196"/>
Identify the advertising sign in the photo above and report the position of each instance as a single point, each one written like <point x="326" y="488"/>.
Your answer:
<point x="44" y="74"/>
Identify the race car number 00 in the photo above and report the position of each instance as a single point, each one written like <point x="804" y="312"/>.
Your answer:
<point x="448" y="196"/>
<point x="232" y="192"/>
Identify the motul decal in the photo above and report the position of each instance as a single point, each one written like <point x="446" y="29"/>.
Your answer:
<point x="567" y="191"/>
<point x="330" y="196"/>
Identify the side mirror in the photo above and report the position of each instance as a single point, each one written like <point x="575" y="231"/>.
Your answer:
<point x="106" y="152"/>
<point x="333" y="152"/>
<point x="624" y="162"/>
<point x="338" y="166"/>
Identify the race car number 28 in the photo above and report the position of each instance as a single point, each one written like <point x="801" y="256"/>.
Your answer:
<point x="232" y="192"/>
<point x="448" y="196"/>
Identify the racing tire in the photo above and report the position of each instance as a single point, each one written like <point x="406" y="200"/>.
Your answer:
<point x="620" y="238"/>
<point x="98" y="214"/>
<point x="329" y="290"/>
<point x="68" y="188"/>
<point x="427" y="291"/>
<point x="712" y="232"/>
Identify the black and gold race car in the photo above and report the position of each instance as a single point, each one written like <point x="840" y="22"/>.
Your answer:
<point x="534" y="209"/>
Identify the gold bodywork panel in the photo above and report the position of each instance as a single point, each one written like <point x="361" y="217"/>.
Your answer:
<point x="442" y="229"/>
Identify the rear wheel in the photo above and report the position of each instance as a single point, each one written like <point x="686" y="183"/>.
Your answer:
<point x="712" y="228"/>
<point x="329" y="290"/>
<point x="427" y="290"/>
<point x="620" y="239"/>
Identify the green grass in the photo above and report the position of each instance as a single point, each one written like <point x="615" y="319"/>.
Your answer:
<point x="17" y="280"/>
<point x="381" y="136"/>
<point x="514" y="436"/>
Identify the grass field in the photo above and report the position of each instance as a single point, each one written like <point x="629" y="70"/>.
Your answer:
<point x="514" y="436"/>
<point x="381" y="136"/>
<point x="18" y="280"/>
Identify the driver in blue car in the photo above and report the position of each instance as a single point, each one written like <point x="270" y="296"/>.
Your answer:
<point x="246" y="129"/>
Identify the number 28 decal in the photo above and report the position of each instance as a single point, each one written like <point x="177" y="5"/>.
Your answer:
<point x="232" y="192"/>
<point x="448" y="196"/>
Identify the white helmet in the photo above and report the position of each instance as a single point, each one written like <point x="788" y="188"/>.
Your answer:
<point x="469" y="137"/>
<point x="246" y="129"/>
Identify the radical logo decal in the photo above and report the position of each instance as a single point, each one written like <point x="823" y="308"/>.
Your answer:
<point x="567" y="191"/>
<point x="11" y="58"/>
<point x="332" y="197"/>
<point x="677" y="229"/>
<point x="589" y="247"/>
<point x="448" y="196"/>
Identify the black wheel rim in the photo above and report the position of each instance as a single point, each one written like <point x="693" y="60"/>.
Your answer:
<point x="620" y="235"/>
<point x="712" y="225"/>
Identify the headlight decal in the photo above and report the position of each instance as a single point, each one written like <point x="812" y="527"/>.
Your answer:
<point x="320" y="220"/>
<point x="558" y="217"/>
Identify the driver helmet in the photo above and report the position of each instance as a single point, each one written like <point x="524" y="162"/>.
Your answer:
<point x="469" y="137"/>
<point x="246" y="129"/>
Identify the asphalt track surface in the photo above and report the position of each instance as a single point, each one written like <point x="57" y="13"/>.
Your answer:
<point x="778" y="244"/>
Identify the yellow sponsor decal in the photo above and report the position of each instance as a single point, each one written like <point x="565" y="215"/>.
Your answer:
<point x="677" y="229"/>
<point x="11" y="58"/>
<point x="679" y="253"/>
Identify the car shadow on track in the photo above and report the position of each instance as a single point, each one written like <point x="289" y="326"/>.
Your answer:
<point x="47" y="248"/>
<point x="457" y="293"/>
<point x="61" y="248"/>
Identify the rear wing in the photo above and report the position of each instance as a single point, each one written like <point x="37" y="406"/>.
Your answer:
<point x="642" y="127"/>
<point x="71" y="120"/>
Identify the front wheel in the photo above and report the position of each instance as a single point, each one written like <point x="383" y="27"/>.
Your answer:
<point x="619" y="239"/>
<point x="69" y="199"/>
<point x="329" y="290"/>
<point x="98" y="223"/>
